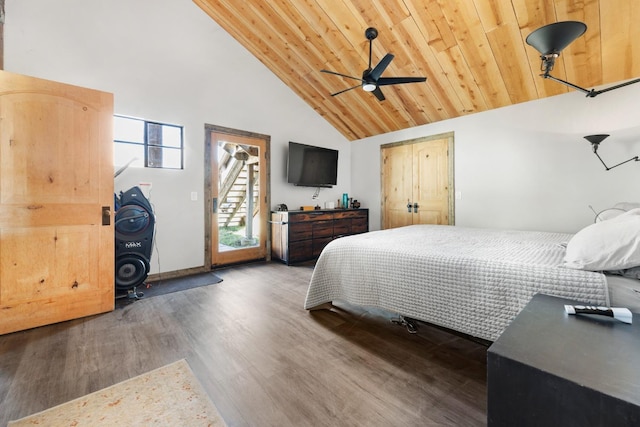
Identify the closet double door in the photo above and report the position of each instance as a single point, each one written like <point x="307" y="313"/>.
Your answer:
<point x="417" y="182"/>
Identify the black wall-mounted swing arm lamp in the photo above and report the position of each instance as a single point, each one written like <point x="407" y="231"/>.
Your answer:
<point x="551" y="39"/>
<point x="595" y="141"/>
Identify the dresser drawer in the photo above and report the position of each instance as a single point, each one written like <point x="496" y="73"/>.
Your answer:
<point x="349" y="214"/>
<point x="341" y="227"/>
<point x="322" y="229"/>
<point x="310" y="216"/>
<point x="300" y="231"/>
<point x="319" y="244"/>
<point x="300" y="251"/>
<point x="359" y="225"/>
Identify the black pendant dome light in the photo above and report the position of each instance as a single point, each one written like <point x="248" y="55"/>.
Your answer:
<point x="595" y="141"/>
<point x="551" y="39"/>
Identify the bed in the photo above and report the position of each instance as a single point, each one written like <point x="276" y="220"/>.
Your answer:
<point x="470" y="280"/>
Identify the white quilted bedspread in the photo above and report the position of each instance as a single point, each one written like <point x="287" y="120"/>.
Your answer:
<point x="474" y="281"/>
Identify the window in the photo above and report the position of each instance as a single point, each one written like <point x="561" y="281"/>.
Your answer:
<point x="147" y="144"/>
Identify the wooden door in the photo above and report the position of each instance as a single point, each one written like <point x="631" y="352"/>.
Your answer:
<point x="431" y="182"/>
<point x="397" y="185"/>
<point x="238" y="187"/>
<point x="417" y="182"/>
<point x="56" y="198"/>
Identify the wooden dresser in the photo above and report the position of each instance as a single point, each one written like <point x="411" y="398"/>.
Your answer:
<point x="301" y="235"/>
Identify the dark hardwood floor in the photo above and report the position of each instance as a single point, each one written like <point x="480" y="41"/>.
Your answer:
<point x="263" y="359"/>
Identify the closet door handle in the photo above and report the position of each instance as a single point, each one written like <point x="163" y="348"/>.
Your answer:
<point x="415" y="208"/>
<point x="106" y="215"/>
<point x="408" y="206"/>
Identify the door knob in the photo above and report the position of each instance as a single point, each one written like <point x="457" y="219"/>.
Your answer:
<point x="415" y="208"/>
<point x="408" y="206"/>
<point x="106" y="215"/>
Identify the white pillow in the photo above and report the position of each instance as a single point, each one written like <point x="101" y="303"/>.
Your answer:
<point x="607" y="245"/>
<point x="627" y="206"/>
<point x="609" y="214"/>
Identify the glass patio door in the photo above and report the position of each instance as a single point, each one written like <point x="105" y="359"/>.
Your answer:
<point x="239" y="198"/>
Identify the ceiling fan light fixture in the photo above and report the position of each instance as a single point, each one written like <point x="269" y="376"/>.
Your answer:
<point x="369" y="87"/>
<point x="372" y="77"/>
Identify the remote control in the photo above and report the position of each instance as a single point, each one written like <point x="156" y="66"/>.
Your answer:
<point x="622" y="314"/>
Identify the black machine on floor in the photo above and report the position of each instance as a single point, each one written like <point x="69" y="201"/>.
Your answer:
<point x="134" y="230"/>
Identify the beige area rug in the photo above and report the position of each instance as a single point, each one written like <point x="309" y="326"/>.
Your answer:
<point x="167" y="396"/>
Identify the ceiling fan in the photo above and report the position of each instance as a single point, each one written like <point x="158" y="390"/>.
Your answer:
<point x="371" y="80"/>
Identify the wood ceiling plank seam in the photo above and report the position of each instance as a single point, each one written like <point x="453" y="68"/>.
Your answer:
<point x="394" y="11"/>
<point x="582" y="58"/>
<point x="531" y="15"/>
<point x="513" y="67"/>
<point x="473" y="42"/>
<point x="432" y="21"/>
<point x="430" y="103"/>
<point x="428" y="108"/>
<point x="366" y="124"/>
<point x="458" y="74"/>
<point x="440" y="83"/>
<point x="413" y="102"/>
<point x="529" y="77"/>
<point x="491" y="13"/>
<point x="299" y="35"/>
<point x="350" y="27"/>
<point x="329" y="35"/>
<point x="346" y="130"/>
<point x="501" y="27"/>
<point x="620" y="34"/>
<point x="352" y="129"/>
<point x="443" y="75"/>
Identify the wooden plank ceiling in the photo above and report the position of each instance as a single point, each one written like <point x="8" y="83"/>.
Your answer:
<point x="473" y="53"/>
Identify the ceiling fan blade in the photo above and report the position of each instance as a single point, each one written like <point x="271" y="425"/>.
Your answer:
<point x="341" y="75"/>
<point x="342" y="91"/>
<point x="378" y="93"/>
<point x="382" y="65"/>
<point x="382" y="81"/>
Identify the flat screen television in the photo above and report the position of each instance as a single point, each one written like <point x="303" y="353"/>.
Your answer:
<point x="311" y="166"/>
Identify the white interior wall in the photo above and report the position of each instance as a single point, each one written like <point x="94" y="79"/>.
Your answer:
<point x="527" y="166"/>
<point x="170" y="62"/>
